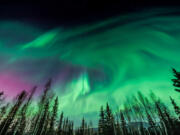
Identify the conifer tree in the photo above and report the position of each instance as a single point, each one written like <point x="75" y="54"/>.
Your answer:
<point x="118" y="130"/>
<point x="70" y="128"/>
<point x="43" y="102"/>
<point x="151" y="123"/>
<point x="59" y="130"/>
<point x="123" y="123"/>
<point x="82" y="128"/>
<point x="53" y="117"/>
<point x="1" y="97"/>
<point x="109" y="121"/>
<point x="46" y="89"/>
<point x="176" y="108"/>
<point x="64" y="126"/>
<point x="7" y="122"/>
<point x="101" y="124"/>
<point x="176" y="81"/>
<point x="3" y="111"/>
<point x="13" y="127"/>
<point x="22" y="124"/>
<point x="46" y="125"/>
<point x="42" y="120"/>
<point x="170" y="120"/>
<point x="33" y="123"/>
<point x="162" y="118"/>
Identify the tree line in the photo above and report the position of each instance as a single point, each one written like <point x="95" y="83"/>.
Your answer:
<point x="139" y="116"/>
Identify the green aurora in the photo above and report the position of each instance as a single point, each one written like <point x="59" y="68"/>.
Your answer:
<point x="91" y="64"/>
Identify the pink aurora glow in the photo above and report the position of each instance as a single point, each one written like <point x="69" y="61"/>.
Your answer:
<point x="12" y="83"/>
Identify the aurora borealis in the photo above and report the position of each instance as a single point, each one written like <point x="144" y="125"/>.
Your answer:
<point x="95" y="63"/>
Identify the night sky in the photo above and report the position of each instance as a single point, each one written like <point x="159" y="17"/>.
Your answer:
<point x="94" y="52"/>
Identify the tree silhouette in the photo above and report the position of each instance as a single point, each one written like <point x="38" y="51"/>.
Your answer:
<point x="59" y="130"/>
<point x="176" y="81"/>
<point x="101" y="124"/>
<point x="43" y="119"/>
<point x="176" y="108"/>
<point x="7" y="122"/>
<point x="53" y="117"/>
<point x="109" y="121"/>
<point x="123" y="123"/>
<point x="140" y="116"/>
<point x="82" y="128"/>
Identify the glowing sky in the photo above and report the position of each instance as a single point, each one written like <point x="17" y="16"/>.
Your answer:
<point x="93" y="63"/>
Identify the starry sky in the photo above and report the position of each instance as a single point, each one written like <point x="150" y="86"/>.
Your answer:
<point x="91" y="61"/>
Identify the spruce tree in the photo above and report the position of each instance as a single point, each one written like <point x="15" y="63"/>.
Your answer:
<point x="59" y="130"/>
<point x="53" y="117"/>
<point x="46" y="125"/>
<point x="42" y="104"/>
<point x="109" y="121"/>
<point x="82" y="128"/>
<point x="123" y="123"/>
<point x="22" y="123"/>
<point x="43" y="119"/>
<point x="118" y="130"/>
<point x="176" y="81"/>
<point x="171" y="121"/>
<point x="176" y="108"/>
<point x="3" y="111"/>
<point x="162" y="117"/>
<point x="10" y="117"/>
<point x="33" y="123"/>
<point x="151" y="123"/>
<point x="14" y="127"/>
<point x="23" y="111"/>
<point x="45" y="92"/>
<point x="1" y="97"/>
<point x="101" y="124"/>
